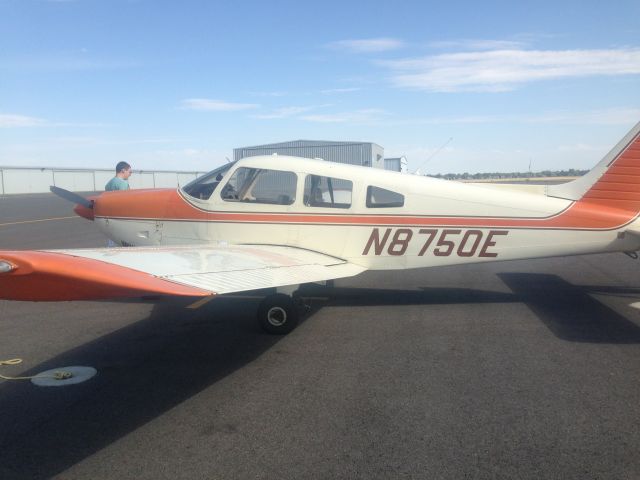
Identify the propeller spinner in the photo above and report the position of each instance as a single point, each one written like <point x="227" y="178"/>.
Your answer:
<point x="84" y="206"/>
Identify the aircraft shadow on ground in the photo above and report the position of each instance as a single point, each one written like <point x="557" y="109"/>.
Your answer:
<point x="153" y="365"/>
<point x="144" y="370"/>
<point x="568" y="311"/>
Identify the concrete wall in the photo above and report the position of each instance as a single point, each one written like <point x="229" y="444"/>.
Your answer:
<point x="26" y="180"/>
<point x="14" y="180"/>
<point x="74" y="181"/>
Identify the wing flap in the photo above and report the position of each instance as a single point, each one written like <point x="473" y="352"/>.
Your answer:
<point x="243" y="280"/>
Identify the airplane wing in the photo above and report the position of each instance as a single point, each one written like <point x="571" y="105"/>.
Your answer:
<point x="87" y="274"/>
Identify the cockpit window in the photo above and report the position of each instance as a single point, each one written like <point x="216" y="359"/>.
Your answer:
<point x="258" y="185"/>
<point x="382" y="198"/>
<point x="203" y="187"/>
<point x="327" y="192"/>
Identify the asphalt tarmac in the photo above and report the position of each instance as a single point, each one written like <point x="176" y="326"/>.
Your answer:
<point x="522" y="370"/>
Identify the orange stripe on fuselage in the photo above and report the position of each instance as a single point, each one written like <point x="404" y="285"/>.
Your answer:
<point x="149" y="204"/>
<point x="169" y="205"/>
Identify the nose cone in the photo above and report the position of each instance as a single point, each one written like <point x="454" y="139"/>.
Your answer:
<point x="142" y="204"/>
<point x="84" y="212"/>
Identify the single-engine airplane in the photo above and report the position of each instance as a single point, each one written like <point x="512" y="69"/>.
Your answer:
<point x="278" y="221"/>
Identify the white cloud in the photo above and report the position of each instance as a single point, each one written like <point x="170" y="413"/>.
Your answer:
<point x="284" y="112"/>
<point x="333" y="91"/>
<point x="366" y="116"/>
<point x="368" y="45"/>
<point x="191" y="158"/>
<point x="10" y="121"/>
<point x="65" y="62"/>
<point x="269" y="94"/>
<point x="469" y="44"/>
<point x="579" y="147"/>
<point x="502" y="70"/>
<point x="610" y="116"/>
<point x="15" y="121"/>
<point x="209" y="105"/>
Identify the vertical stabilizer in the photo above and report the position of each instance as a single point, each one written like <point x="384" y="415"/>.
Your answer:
<point x="613" y="182"/>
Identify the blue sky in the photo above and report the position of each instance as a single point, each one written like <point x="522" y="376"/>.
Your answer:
<point x="178" y="84"/>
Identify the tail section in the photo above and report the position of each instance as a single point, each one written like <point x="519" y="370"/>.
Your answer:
<point x="614" y="182"/>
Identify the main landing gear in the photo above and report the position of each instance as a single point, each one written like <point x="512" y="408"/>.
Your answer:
<point x="279" y="313"/>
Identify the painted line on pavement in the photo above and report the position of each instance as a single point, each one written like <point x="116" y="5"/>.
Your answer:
<point x="35" y="221"/>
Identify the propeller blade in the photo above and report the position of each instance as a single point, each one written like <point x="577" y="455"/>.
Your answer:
<point x="72" y="197"/>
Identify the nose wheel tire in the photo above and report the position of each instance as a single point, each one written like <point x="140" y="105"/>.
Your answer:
<point x="278" y="314"/>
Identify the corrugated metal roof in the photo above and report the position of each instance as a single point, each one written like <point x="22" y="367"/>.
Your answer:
<point x="305" y="143"/>
<point x="355" y="153"/>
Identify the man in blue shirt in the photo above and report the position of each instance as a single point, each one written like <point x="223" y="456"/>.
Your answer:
<point x="120" y="181"/>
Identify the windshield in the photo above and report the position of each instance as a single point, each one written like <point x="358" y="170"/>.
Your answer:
<point x="202" y="187"/>
<point x="259" y="185"/>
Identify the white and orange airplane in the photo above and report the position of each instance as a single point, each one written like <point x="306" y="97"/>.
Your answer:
<point x="278" y="221"/>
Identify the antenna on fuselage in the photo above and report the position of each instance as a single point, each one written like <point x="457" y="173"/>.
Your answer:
<point x="433" y="155"/>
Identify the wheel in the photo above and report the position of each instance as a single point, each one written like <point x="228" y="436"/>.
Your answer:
<point x="278" y="314"/>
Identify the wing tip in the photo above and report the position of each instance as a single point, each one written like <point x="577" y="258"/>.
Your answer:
<point x="51" y="276"/>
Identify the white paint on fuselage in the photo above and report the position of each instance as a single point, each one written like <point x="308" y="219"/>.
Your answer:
<point x="424" y="196"/>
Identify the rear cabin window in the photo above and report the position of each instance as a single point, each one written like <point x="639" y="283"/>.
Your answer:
<point x="327" y="192"/>
<point x="382" y="198"/>
<point x="257" y="185"/>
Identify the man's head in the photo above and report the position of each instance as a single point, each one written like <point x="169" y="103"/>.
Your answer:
<point x="123" y="170"/>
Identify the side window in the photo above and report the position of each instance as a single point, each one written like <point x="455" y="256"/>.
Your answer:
<point x="382" y="198"/>
<point x="327" y="192"/>
<point x="260" y="186"/>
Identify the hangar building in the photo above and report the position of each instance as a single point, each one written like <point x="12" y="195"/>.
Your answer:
<point x="397" y="164"/>
<point x="353" y="153"/>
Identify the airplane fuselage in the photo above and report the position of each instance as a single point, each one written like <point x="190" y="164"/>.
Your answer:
<point x="376" y="219"/>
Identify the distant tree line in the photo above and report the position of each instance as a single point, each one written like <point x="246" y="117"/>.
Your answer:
<point x="501" y="175"/>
